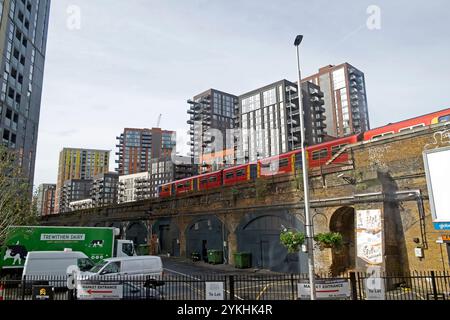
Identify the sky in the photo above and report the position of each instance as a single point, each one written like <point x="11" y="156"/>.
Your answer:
<point x="112" y="64"/>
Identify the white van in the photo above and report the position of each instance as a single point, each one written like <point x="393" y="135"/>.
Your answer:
<point x="129" y="267"/>
<point x="53" y="265"/>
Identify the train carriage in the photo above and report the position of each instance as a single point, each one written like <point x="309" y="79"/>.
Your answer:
<point x="277" y="165"/>
<point x="242" y="173"/>
<point x="410" y="124"/>
<point x="319" y="155"/>
<point x="209" y="181"/>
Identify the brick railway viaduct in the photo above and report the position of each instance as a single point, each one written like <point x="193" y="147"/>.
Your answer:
<point x="387" y="174"/>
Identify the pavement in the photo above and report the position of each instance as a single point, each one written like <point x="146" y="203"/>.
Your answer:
<point x="187" y="266"/>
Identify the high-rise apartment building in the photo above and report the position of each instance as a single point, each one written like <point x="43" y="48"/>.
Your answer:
<point x="211" y="117"/>
<point x="137" y="147"/>
<point x="105" y="189"/>
<point x="45" y="201"/>
<point x="269" y="119"/>
<point x="165" y="170"/>
<point x="134" y="187"/>
<point x="23" y="40"/>
<point x="345" y="99"/>
<point x="74" y="190"/>
<point x="79" y="164"/>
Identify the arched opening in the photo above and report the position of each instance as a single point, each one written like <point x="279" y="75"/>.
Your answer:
<point x="260" y="236"/>
<point x="344" y="258"/>
<point x="137" y="232"/>
<point x="206" y="233"/>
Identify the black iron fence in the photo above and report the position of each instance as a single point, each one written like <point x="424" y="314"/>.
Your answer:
<point x="350" y="286"/>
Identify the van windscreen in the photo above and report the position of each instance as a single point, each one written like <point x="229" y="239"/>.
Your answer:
<point x="98" y="266"/>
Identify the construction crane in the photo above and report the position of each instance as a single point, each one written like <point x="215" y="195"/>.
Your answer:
<point x="159" y="121"/>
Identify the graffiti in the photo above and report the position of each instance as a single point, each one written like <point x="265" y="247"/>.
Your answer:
<point x="441" y="138"/>
<point x="376" y="156"/>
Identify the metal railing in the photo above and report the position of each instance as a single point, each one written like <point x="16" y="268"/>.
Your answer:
<point x="407" y="286"/>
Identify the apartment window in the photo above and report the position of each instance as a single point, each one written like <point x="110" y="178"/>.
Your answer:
<point x="11" y="93"/>
<point x="16" y="54"/>
<point x="6" y="135"/>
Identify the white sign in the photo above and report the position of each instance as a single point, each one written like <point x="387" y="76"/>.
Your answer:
<point x="369" y="233"/>
<point x="62" y="237"/>
<point x="437" y="167"/>
<point x="99" y="292"/>
<point x="214" y="291"/>
<point x="374" y="287"/>
<point x="326" y="289"/>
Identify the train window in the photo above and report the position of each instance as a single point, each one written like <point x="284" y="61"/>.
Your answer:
<point x="283" y="163"/>
<point x="336" y="149"/>
<point x="265" y="165"/>
<point x="240" y="173"/>
<point x="180" y="186"/>
<point x="187" y="184"/>
<point x="212" y="179"/>
<point x="412" y="127"/>
<point x="229" y="175"/>
<point x="444" y="118"/>
<point x="204" y="181"/>
<point x="383" y="135"/>
<point x="320" y="154"/>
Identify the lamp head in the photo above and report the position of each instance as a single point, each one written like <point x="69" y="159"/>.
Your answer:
<point x="298" y="40"/>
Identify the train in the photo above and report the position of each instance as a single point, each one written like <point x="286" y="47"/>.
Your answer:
<point x="287" y="163"/>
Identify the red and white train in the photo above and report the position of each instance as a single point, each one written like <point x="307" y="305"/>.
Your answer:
<point x="318" y="155"/>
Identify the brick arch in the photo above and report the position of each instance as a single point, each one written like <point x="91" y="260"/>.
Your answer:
<point x="259" y="234"/>
<point x="206" y="233"/>
<point x="137" y="232"/>
<point x="343" y="222"/>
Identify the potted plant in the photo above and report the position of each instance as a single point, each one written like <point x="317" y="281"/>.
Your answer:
<point x="328" y="240"/>
<point x="292" y="240"/>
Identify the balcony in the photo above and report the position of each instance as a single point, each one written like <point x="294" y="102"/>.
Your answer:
<point x="190" y="122"/>
<point x="317" y="93"/>
<point x="319" y="109"/>
<point x="295" y="113"/>
<point x="291" y="89"/>
<point x="354" y="97"/>
<point x="292" y="105"/>
<point x="293" y="139"/>
<point x="320" y="117"/>
<point x="292" y="121"/>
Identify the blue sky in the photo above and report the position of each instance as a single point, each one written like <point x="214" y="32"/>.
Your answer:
<point x="132" y="60"/>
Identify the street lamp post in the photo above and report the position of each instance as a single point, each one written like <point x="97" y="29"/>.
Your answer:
<point x="308" y="224"/>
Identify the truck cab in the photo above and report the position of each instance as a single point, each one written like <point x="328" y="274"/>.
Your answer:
<point x="124" y="248"/>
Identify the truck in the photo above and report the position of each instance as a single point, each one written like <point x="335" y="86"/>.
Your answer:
<point x="97" y="243"/>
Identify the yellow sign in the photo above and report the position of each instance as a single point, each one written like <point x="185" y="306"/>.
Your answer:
<point x="446" y="237"/>
<point x="43" y="292"/>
